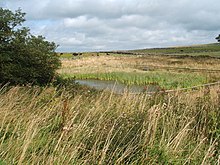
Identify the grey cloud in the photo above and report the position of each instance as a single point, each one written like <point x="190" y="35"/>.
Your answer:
<point x="121" y="24"/>
<point x="98" y="8"/>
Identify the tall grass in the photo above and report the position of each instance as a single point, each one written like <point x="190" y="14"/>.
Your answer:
<point x="48" y="127"/>
<point x="168" y="80"/>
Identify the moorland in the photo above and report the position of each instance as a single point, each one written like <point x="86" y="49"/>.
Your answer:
<point x="75" y="124"/>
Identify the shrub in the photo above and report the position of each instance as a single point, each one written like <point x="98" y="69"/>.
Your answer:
<point x="24" y="58"/>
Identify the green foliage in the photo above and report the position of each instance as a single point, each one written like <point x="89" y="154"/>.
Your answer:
<point x="2" y="162"/>
<point x="218" y="38"/>
<point x="185" y="51"/>
<point x="24" y="58"/>
<point x="166" y="80"/>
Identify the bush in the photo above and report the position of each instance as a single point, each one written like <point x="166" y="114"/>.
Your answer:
<point x="24" y="58"/>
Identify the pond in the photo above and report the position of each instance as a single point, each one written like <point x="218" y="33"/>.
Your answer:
<point x="117" y="87"/>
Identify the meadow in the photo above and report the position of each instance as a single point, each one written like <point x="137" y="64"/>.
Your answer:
<point x="47" y="126"/>
<point x="75" y="124"/>
<point x="212" y="49"/>
<point x="152" y="66"/>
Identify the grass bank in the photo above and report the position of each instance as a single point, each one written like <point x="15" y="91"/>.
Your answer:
<point x="44" y="126"/>
<point x="159" y="66"/>
<point x="193" y="50"/>
<point x="167" y="80"/>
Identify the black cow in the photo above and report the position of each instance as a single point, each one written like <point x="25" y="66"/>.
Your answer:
<point x="75" y="54"/>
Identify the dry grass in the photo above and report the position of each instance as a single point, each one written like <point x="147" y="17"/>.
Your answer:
<point x="93" y="64"/>
<point x="130" y="63"/>
<point x="43" y="127"/>
<point x="168" y="72"/>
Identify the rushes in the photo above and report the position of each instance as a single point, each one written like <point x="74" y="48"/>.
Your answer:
<point x="42" y="127"/>
<point x="167" y="80"/>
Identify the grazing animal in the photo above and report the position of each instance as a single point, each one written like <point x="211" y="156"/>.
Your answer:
<point x="75" y="54"/>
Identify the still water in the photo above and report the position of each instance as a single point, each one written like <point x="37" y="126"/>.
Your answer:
<point x="117" y="87"/>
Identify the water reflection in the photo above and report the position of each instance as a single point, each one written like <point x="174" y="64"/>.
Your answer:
<point x="117" y="87"/>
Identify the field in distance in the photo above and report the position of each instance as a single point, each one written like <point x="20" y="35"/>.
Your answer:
<point x="176" y="67"/>
<point x="77" y="125"/>
<point x="194" y="50"/>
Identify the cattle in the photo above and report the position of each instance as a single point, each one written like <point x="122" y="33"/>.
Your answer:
<point x="75" y="54"/>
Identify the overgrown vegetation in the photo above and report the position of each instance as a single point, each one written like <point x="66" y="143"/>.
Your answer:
<point x="24" y="58"/>
<point x="48" y="127"/>
<point x="167" y="80"/>
<point x="65" y="123"/>
<point x="169" y="72"/>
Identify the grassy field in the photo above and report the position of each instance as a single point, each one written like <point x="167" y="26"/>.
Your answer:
<point x="45" y="126"/>
<point x="165" y="67"/>
<point x="196" y="50"/>
<point x="212" y="49"/>
<point x="78" y="125"/>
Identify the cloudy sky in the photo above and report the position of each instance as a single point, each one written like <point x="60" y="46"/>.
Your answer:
<point x="92" y="25"/>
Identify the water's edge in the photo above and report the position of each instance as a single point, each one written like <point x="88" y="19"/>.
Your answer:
<point x="116" y="87"/>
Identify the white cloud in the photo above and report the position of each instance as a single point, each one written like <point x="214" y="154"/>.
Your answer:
<point x="81" y="22"/>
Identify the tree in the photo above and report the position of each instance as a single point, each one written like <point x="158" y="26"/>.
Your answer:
<point x="24" y="58"/>
<point x="218" y="38"/>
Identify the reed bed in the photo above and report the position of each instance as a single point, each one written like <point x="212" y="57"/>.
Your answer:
<point x="167" y="80"/>
<point x="46" y="126"/>
<point x="130" y="69"/>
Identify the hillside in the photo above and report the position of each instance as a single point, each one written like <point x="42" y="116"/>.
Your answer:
<point x="194" y="50"/>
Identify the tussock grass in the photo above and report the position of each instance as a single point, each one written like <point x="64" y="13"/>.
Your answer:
<point x="43" y="126"/>
<point x="167" y="80"/>
<point x="129" y="69"/>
